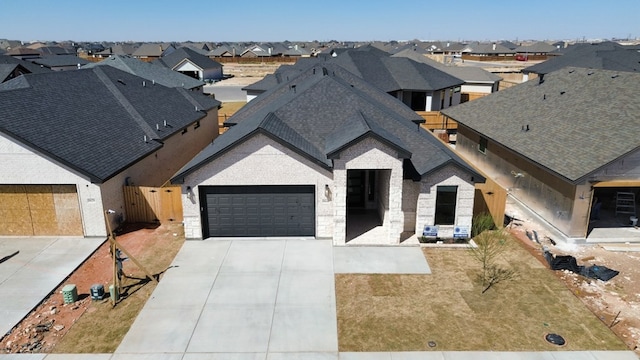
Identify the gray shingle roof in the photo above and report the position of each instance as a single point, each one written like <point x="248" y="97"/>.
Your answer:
<point x="95" y="120"/>
<point x="606" y="57"/>
<point x="324" y="109"/>
<point x="151" y="72"/>
<point x="579" y="119"/>
<point x="177" y="56"/>
<point x="6" y="59"/>
<point x="469" y="74"/>
<point x="60" y="60"/>
<point x="539" y="47"/>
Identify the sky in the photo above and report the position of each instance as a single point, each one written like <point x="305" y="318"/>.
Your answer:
<point x="307" y="20"/>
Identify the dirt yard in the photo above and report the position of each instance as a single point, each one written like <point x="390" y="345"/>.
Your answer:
<point x="94" y="325"/>
<point x="615" y="302"/>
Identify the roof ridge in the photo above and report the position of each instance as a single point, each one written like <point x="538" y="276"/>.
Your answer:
<point x="129" y="108"/>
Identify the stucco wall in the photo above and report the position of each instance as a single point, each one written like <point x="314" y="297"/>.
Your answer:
<point x="259" y="161"/>
<point x="549" y="196"/>
<point x="450" y="175"/>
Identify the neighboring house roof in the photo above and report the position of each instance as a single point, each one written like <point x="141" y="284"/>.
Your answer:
<point x="392" y="74"/>
<point x="575" y="125"/>
<point x="469" y="74"/>
<point x="489" y="49"/>
<point x="539" y="47"/>
<point x="7" y="71"/>
<point x="151" y="72"/>
<point x="7" y="44"/>
<point x="225" y="50"/>
<point x="23" y="51"/>
<point x="325" y="109"/>
<point x="33" y="68"/>
<point x="95" y="121"/>
<point x="55" y="50"/>
<point x="509" y="45"/>
<point x="149" y="50"/>
<point x="118" y="49"/>
<point x="616" y="58"/>
<point x="60" y="60"/>
<point x="179" y="55"/>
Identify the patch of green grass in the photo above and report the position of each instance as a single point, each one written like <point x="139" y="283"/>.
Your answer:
<point x="405" y="312"/>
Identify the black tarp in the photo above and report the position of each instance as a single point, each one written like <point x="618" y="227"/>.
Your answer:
<point x="568" y="262"/>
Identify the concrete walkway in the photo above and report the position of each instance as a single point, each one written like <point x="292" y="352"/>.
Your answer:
<point x="269" y="299"/>
<point x="40" y="265"/>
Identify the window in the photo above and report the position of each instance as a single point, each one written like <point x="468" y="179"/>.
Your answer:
<point x="197" y="125"/>
<point x="446" y="205"/>
<point x="482" y="145"/>
<point x="184" y="131"/>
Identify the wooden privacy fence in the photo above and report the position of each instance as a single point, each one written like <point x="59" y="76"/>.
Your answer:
<point x="435" y="120"/>
<point x="490" y="198"/>
<point x="153" y="204"/>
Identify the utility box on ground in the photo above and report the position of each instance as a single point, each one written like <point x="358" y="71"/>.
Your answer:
<point x="70" y="294"/>
<point x="97" y="292"/>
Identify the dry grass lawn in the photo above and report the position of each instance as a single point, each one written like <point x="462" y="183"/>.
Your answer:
<point x="405" y="312"/>
<point x="102" y="327"/>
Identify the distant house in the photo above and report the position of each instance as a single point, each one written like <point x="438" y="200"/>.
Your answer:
<point x="23" y="53"/>
<point x="61" y="62"/>
<point x="605" y="56"/>
<point x="224" y="51"/>
<point x="418" y="85"/>
<point x="188" y="62"/>
<point x="487" y="52"/>
<point x="257" y="51"/>
<point x="560" y="145"/>
<point x="477" y="81"/>
<point x="69" y="141"/>
<point x="326" y="155"/>
<point x="537" y="51"/>
<point x="118" y="49"/>
<point x="151" y="72"/>
<point x="152" y="51"/>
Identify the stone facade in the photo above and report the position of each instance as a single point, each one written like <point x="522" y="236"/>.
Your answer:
<point x="403" y="205"/>
<point x="426" y="205"/>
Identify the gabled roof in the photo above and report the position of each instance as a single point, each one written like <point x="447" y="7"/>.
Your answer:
<point x="395" y="73"/>
<point x="33" y="68"/>
<point x="325" y="109"/>
<point x="22" y="51"/>
<point x="118" y="49"/>
<point x="579" y="119"/>
<point x="60" y="60"/>
<point x="151" y="72"/>
<point x="509" y="45"/>
<point x="95" y="121"/>
<point x="489" y="49"/>
<point x="149" y="50"/>
<point x="539" y="47"/>
<point x="7" y="70"/>
<point x="179" y="55"/>
<point x="616" y="58"/>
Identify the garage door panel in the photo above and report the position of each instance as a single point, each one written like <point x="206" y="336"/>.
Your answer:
<point x="259" y="210"/>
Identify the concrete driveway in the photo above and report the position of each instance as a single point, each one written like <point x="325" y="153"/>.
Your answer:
<point x="38" y="267"/>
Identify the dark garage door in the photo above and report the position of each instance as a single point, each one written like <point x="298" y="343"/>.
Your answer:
<point x="258" y="210"/>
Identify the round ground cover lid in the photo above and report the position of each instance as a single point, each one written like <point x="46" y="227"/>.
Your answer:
<point x="555" y="339"/>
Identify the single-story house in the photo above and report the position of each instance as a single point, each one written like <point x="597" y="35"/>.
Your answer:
<point x="153" y="51"/>
<point x="188" y="62"/>
<point x="153" y="73"/>
<point x="560" y="145"/>
<point x="69" y="141"/>
<point x="326" y="155"/>
<point x="478" y="82"/>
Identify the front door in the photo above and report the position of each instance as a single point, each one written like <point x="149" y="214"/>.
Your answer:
<point x="355" y="188"/>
